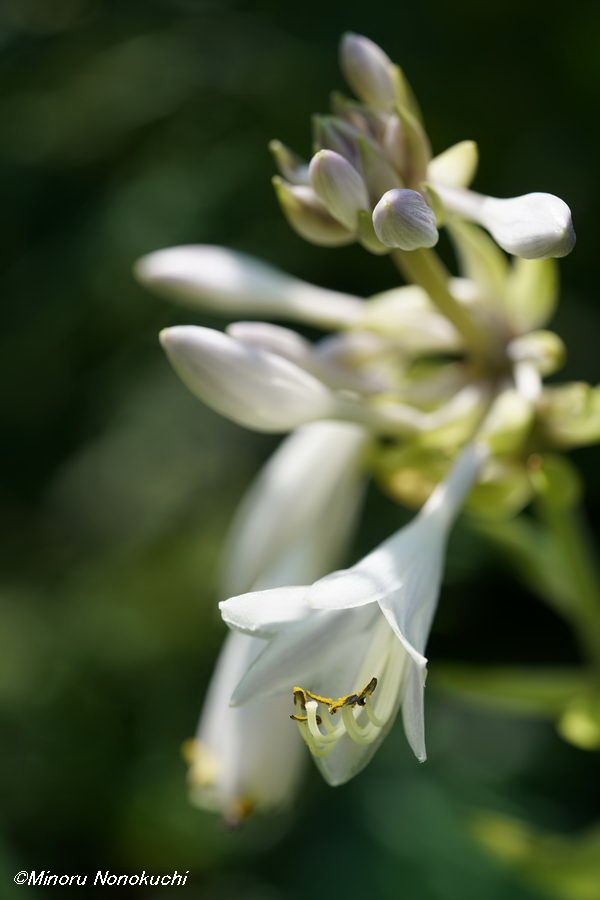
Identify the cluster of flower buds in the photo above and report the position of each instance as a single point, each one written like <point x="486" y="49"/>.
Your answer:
<point x="449" y="370"/>
<point x="373" y="179"/>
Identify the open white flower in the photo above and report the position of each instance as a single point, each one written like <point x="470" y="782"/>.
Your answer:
<point x="350" y="648"/>
<point x="293" y="524"/>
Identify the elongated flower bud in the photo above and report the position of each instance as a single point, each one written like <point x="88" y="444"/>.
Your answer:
<point x="254" y="388"/>
<point x="339" y="186"/>
<point x="232" y="283"/>
<point x="534" y="226"/>
<point x="368" y="70"/>
<point x="333" y="133"/>
<point x="403" y="219"/>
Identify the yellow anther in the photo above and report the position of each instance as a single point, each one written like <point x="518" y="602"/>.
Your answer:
<point x="301" y="695"/>
<point x="357" y="699"/>
<point x="305" y="719"/>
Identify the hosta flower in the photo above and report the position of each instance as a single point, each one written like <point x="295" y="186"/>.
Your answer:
<point x="349" y="650"/>
<point x="293" y="524"/>
<point x="448" y="370"/>
<point x="368" y="179"/>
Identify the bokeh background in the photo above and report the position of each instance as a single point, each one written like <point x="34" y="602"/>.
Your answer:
<point x="128" y="125"/>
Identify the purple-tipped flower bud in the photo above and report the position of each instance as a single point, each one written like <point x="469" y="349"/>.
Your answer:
<point x="403" y="219"/>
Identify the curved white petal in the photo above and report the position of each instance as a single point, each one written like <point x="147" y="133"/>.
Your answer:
<point x="273" y="339"/>
<point x="403" y="575"/>
<point x="254" y="388"/>
<point x="322" y="653"/>
<point x="413" y="710"/>
<point x="233" y="283"/>
<point x="263" y="613"/>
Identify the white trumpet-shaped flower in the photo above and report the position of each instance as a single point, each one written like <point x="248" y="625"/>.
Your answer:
<point x="350" y="648"/>
<point x="293" y="524"/>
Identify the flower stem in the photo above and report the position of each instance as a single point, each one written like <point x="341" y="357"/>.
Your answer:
<point x="425" y="268"/>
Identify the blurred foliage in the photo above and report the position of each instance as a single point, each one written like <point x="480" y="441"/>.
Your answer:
<point x="127" y="125"/>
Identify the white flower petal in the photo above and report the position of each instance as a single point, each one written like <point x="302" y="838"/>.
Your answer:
<point x="232" y="283"/>
<point x="413" y="711"/>
<point x="297" y="517"/>
<point x="322" y="652"/>
<point x="254" y="388"/>
<point x="263" y="613"/>
<point x="274" y="339"/>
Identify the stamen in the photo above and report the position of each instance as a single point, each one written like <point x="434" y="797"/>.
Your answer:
<point x="320" y="742"/>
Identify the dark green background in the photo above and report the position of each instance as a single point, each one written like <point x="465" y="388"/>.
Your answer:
<point x="128" y="125"/>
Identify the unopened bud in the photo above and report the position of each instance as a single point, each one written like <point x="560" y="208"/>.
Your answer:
<point x="368" y="71"/>
<point x="332" y="133"/>
<point x="308" y="216"/>
<point x="569" y="414"/>
<point x="258" y="389"/>
<point x="534" y="226"/>
<point x="290" y="165"/>
<point x="543" y="349"/>
<point x="339" y="186"/>
<point x="403" y="219"/>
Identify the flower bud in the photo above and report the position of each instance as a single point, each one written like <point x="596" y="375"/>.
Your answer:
<point x="232" y="283"/>
<point x="339" y="186"/>
<point x="368" y="71"/>
<point x="403" y="219"/>
<point x="254" y="388"/>
<point x="308" y="216"/>
<point x="543" y="349"/>
<point x="569" y="414"/>
<point x="289" y="163"/>
<point x="378" y="174"/>
<point x="534" y="226"/>
<point x="332" y="133"/>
